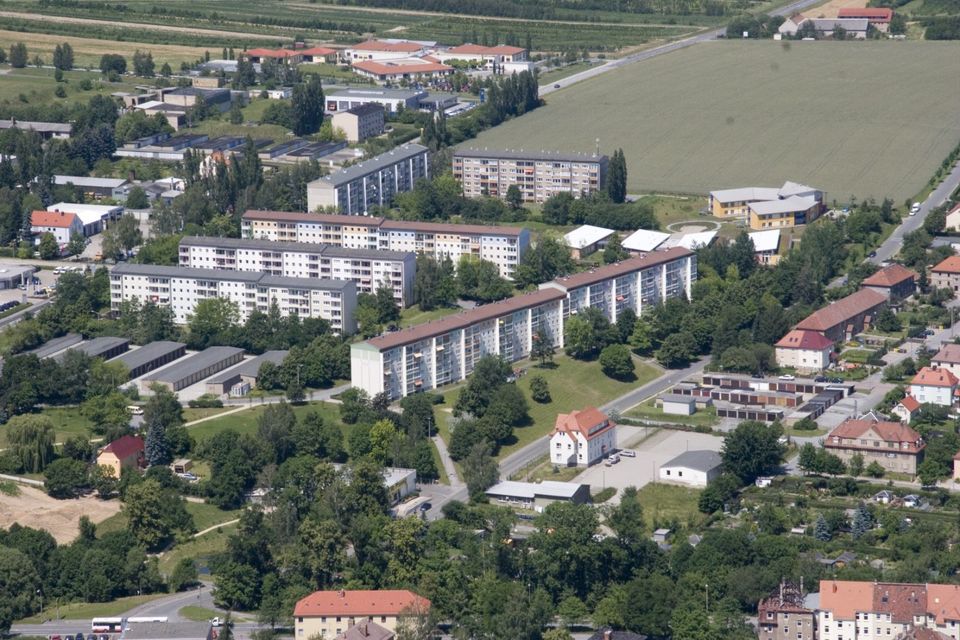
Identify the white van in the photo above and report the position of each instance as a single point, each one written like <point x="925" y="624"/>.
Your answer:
<point x="915" y="209"/>
<point x="135" y="410"/>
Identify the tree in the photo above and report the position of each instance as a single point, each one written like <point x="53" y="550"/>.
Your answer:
<point x="275" y="429"/>
<point x="929" y="472"/>
<point x="549" y="259"/>
<point x="155" y="515"/>
<point x="19" y="583"/>
<point x="863" y="521"/>
<point x="113" y="63"/>
<point x="675" y="351"/>
<point x="104" y="482"/>
<point x="614" y="251"/>
<point x="31" y="439"/>
<point x="616" y="362"/>
<point x="480" y="471"/>
<point x="77" y="244"/>
<point x="64" y="478"/>
<point x="514" y="198"/>
<point x="18" y="55"/>
<point x="539" y="390"/>
<point x="307" y="106"/>
<point x="212" y="322"/>
<point x="580" y="338"/>
<point x="137" y="198"/>
<point x="184" y="575"/>
<point x="821" y="530"/>
<point x="808" y="458"/>
<point x="874" y="470"/>
<point x="752" y="449"/>
<point x="163" y="407"/>
<point x="143" y="64"/>
<point x="888" y="321"/>
<point x="541" y="346"/>
<point x="156" y="447"/>
<point x="48" y="247"/>
<point x="617" y="177"/>
<point x="236" y="587"/>
<point x="855" y="465"/>
<point x="489" y="374"/>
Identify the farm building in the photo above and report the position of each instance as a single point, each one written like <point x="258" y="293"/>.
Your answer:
<point x="195" y="368"/>
<point x="106" y="347"/>
<point x="692" y="468"/>
<point x="538" y="495"/>
<point x="151" y="356"/>
<point x="247" y="372"/>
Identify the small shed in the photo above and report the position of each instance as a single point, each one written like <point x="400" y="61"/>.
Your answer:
<point x="660" y="535"/>
<point x="693" y="468"/>
<point x="678" y="405"/>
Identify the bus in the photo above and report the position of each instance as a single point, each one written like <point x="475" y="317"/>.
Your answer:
<point x="106" y="625"/>
<point x="136" y="619"/>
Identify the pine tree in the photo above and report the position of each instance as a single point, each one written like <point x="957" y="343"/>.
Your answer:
<point x="156" y="447"/>
<point x="617" y="177"/>
<point x="862" y="521"/>
<point x="821" y="531"/>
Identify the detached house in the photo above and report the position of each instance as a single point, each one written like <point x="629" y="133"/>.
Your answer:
<point x="934" y="386"/>
<point x="906" y="409"/>
<point x="61" y="225"/>
<point x="127" y="452"/>
<point x="946" y="274"/>
<point x="581" y="438"/>
<point x="893" y="446"/>
<point x="806" y="351"/>
<point x="948" y="358"/>
<point x="896" y="282"/>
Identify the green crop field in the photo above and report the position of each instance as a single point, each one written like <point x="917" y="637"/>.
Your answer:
<point x="852" y="118"/>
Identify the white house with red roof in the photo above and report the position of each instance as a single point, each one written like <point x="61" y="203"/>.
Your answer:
<point x="934" y="385"/>
<point x="580" y="438"/>
<point x="804" y="350"/>
<point x="383" y="50"/>
<point x="906" y="409"/>
<point x="894" y="446"/>
<point x="59" y="223"/>
<point x="397" y="69"/>
<point x="503" y="58"/>
<point x="326" y="614"/>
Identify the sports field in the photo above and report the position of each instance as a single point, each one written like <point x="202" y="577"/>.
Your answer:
<point x="853" y="118"/>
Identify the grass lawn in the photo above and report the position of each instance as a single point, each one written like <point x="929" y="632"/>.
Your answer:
<point x="200" y="549"/>
<point x="197" y="614"/>
<point x="712" y="142"/>
<point x="546" y="470"/>
<point x="663" y="503"/>
<point x="223" y="127"/>
<point x="67" y="422"/>
<point x="246" y="421"/>
<point x="190" y="414"/>
<point x="573" y="385"/>
<point x="207" y="515"/>
<point x="790" y="431"/>
<point x="562" y="72"/>
<point x="86" y="610"/>
<point x="649" y="411"/>
<point x="413" y="315"/>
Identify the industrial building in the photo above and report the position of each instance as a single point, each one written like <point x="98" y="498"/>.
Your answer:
<point x="538" y="175"/>
<point x="367" y="269"/>
<point x="393" y="100"/>
<point x="182" y="288"/>
<point x="94" y="218"/>
<point x="106" y="347"/>
<point x="12" y="276"/>
<point x="151" y="356"/>
<point x="374" y="182"/>
<point x="538" y="495"/>
<point x="503" y="246"/>
<point x="195" y="368"/>
<point x="248" y="372"/>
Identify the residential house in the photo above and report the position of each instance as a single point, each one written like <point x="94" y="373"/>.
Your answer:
<point x="906" y="409"/>
<point x="953" y="219"/>
<point x="587" y="239"/>
<point x="61" y="225"/>
<point x="330" y="613"/>
<point x="367" y="631"/>
<point x="846" y="317"/>
<point x="400" y="69"/>
<point x="783" y="615"/>
<point x="894" y="446"/>
<point x="946" y="274"/>
<point x="933" y="385"/>
<point x="126" y="452"/>
<point x="359" y="123"/>
<point x="948" y="358"/>
<point x="581" y="438"/>
<point x="93" y="218"/>
<point x="884" y="497"/>
<point x="692" y="468"/>
<point x="896" y="282"/>
<point x="804" y="350"/>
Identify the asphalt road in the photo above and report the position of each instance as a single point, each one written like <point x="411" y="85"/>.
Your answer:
<point x="713" y="34"/>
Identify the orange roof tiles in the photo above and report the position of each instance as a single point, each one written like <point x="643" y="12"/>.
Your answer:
<point x="934" y="377"/>
<point x="901" y="601"/>
<point x="887" y="432"/>
<point x="583" y="422"/>
<point x="843" y="310"/>
<point x="890" y="276"/>
<point x="950" y="265"/>
<point x="873" y="14"/>
<point x="52" y="219"/>
<point x="271" y="53"/>
<point x="379" y="45"/>
<point x="845" y="598"/>
<point x="910" y="403"/>
<point x="317" y="51"/>
<point x="361" y="603"/>
<point x="806" y="340"/>
<point x="943" y="601"/>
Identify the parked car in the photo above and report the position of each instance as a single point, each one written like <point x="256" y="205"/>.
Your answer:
<point x="836" y="380"/>
<point x="79" y="636"/>
<point x="628" y="453"/>
<point x="426" y="506"/>
<point x="556" y="86"/>
<point x="820" y="379"/>
<point x="215" y="622"/>
<point x="929" y="332"/>
<point x="872" y="254"/>
<point x="787" y="376"/>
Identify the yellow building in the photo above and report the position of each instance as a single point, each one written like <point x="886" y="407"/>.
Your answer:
<point x="735" y="203"/>
<point x="327" y="614"/>
<point x="789" y="212"/>
<point x="125" y="452"/>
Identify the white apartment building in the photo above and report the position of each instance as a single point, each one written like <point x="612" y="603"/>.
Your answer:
<point x="444" y="351"/>
<point x="491" y="172"/>
<point x="368" y="269"/>
<point x="503" y="246"/>
<point x="640" y="283"/>
<point x="182" y="289"/>
<point x="580" y="438"/>
<point x="355" y="189"/>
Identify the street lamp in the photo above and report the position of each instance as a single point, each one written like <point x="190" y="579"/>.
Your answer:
<point x="40" y="593"/>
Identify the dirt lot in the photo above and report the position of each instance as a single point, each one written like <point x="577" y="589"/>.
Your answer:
<point x="34" y="508"/>
<point x="832" y="8"/>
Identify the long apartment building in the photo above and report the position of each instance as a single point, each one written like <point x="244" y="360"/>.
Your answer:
<point x="368" y="269"/>
<point x="182" y="288"/>
<point x="860" y="610"/>
<point x="354" y="190"/>
<point x="503" y="246"/>
<point x="436" y="353"/>
<point x="491" y="172"/>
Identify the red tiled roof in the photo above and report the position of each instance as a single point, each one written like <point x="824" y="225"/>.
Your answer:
<point x="464" y="319"/>
<point x="52" y="219"/>
<point x="361" y="603"/>
<point x="950" y="265"/>
<point x="583" y="422"/>
<point x="922" y="633"/>
<point x="476" y="49"/>
<point x="378" y="45"/>
<point x="843" y="310"/>
<point x="943" y="601"/>
<point x="806" y="340"/>
<point x="935" y="377"/>
<point x="623" y="267"/>
<point x="890" y="276"/>
<point x="910" y="403"/>
<point x="949" y="353"/>
<point x="272" y="53"/>
<point x="318" y="51"/>
<point x="888" y="432"/>
<point x="845" y="598"/>
<point x="506" y="50"/>
<point x="878" y="14"/>
<point x="125" y="447"/>
<point x="388" y="67"/>
<point x="901" y="601"/>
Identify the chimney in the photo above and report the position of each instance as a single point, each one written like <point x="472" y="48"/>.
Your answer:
<point x="342" y="594"/>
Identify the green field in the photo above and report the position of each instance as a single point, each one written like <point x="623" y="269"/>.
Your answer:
<point x="198" y="548"/>
<point x="852" y="118"/>
<point x="67" y="422"/>
<point x="663" y="503"/>
<point x="84" y="610"/>
<point x="245" y="422"/>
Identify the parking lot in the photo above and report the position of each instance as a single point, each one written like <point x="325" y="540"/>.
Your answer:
<point x="655" y="450"/>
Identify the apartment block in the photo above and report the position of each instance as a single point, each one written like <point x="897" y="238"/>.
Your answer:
<point x="359" y="123"/>
<point x="484" y="172"/>
<point x="436" y="353"/>
<point x="368" y="269"/>
<point x="503" y="246"/>
<point x="182" y="289"/>
<point x="784" y="616"/>
<point x="355" y="189"/>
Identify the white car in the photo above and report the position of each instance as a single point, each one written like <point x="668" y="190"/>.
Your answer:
<point x="915" y="209"/>
<point x="787" y="376"/>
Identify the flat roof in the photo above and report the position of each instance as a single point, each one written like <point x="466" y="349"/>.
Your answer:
<point x="88" y="213"/>
<point x="9" y="271"/>
<point x="98" y="346"/>
<point x="55" y="345"/>
<point x="373" y="94"/>
<point x="765" y="240"/>
<point x="41" y="127"/>
<point x="147" y="353"/>
<point x="167" y="631"/>
<point x="692" y="240"/>
<point x="250" y="367"/>
<point x="411" y="226"/>
<point x="530" y="490"/>
<point x="616" y="269"/>
<point x="84" y="181"/>
<point x="644" y="240"/>
<point x="676" y="397"/>
<point x="375" y="163"/>
<point x="192" y="364"/>
<point x="252" y="277"/>
<point x="362" y="109"/>
<point x="305" y="247"/>
<point x="522" y="154"/>
<point x="787" y="205"/>
<point x="586" y="235"/>
<point x="702" y="460"/>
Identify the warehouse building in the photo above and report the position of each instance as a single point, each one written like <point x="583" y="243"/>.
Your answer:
<point x="538" y="495"/>
<point x="503" y="246"/>
<point x="393" y="100"/>
<point x="367" y="269"/>
<point x="106" y="348"/>
<point x="12" y="276"/>
<point x="248" y="372"/>
<point x="92" y="187"/>
<point x="94" y="218"/>
<point x="492" y="172"/>
<point x="194" y="368"/>
<point x="182" y="288"/>
<point x="151" y="356"/>
<point x="374" y="182"/>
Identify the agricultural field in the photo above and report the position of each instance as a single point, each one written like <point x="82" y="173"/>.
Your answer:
<point x="33" y="86"/>
<point x="868" y="119"/>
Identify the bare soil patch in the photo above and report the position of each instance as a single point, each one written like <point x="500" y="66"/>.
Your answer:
<point x="832" y="8"/>
<point x="34" y="508"/>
